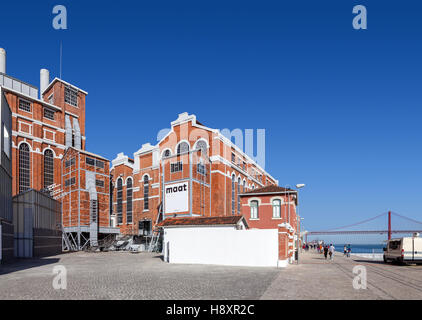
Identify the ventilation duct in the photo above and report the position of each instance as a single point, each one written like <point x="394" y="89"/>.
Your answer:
<point x="93" y="208"/>
<point x="68" y="129"/>
<point x="77" y="133"/>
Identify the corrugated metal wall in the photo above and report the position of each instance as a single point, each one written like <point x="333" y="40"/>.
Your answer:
<point x="5" y="162"/>
<point x="37" y="223"/>
<point x="6" y="211"/>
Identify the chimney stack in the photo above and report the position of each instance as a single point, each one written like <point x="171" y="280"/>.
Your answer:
<point x="44" y="80"/>
<point x="2" y="60"/>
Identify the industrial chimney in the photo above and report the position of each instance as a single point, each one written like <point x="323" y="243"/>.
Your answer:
<point x="44" y="80"/>
<point x="2" y="60"/>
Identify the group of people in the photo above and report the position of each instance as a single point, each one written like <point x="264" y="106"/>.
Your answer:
<point x="346" y="250"/>
<point x="327" y="249"/>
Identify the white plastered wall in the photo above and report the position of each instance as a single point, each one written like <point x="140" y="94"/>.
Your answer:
<point x="221" y="246"/>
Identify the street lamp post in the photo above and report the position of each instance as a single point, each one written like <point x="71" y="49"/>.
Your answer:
<point x="298" y="186"/>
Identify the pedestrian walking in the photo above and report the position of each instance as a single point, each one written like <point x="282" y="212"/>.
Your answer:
<point x="325" y="252"/>
<point x="349" y="249"/>
<point x="344" y="251"/>
<point x="331" y="251"/>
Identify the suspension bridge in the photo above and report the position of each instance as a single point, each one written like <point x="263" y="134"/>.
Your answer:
<point x="385" y="225"/>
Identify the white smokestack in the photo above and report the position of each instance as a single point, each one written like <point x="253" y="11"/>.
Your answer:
<point x="44" y="80"/>
<point x="2" y="60"/>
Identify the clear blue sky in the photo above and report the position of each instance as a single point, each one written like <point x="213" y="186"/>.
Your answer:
<point x="341" y="108"/>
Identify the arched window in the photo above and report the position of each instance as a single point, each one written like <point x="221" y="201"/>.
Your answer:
<point x="48" y="168"/>
<point x="276" y="208"/>
<point x="146" y="192"/>
<point x="182" y="147"/>
<point x="239" y="182"/>
<point x="129" y="200"/>
<point x="24" y="168"/>
<point x="233" y="194"/>
<point x="201" y="145"/>
<point x="166" y="153"/>
<point x="254" y="209"/>
<point x="119" y="201"/>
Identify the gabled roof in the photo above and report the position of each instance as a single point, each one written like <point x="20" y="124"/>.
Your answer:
<point x="66" y="83"/>
<point x="268" y="189"/>
<point x="203" y="221"/>
<point x="84" y="152"/>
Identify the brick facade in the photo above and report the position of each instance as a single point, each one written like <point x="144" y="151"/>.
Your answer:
<point x="31" y="126"/>
<point x="210" y="194"/>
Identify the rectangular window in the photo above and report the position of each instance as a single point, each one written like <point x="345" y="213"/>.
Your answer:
<point x="71" y="96"/>
<point x="51" y="98"/>
<point x="233" y="158"/>
<point x="49" y="114"/>
<point x="69" y="163"/>
<point x="99" y="183"/>
<point x="6" y="141"/>
<point x="99" y="164"/>
<point x="25" y="105"/>
<point x="176" y="167"/>
<point x="200" y="168"/>
<point x="254" y="210"/>
<point x="90" y="161"/>
<point x="93" y="162"/>
<point x="70" y="182"/>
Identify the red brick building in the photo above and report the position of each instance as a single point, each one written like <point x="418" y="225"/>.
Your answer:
<point x="43" y="125"/>
<point x="193" y="171"/>
<point x="48" y="124"/>
<point x="85" y="198"/>
<point x="273" y="207"/>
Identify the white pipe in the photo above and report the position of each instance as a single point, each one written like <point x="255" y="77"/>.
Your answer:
<point x="2" y="60"/>
<point x="44" y="80"/>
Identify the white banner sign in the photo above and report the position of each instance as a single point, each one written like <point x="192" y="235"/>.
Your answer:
<point x="177" y="197"/>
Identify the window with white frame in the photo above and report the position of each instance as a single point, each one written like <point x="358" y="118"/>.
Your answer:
<point x="254" y="209"/>
<point x="183" y="147"/>
<point x="24" y="105"/>
<point x="167" y="153"/>
<point x="239" y="182"/>
<point x="176" y="167"/>
<point x="119" y="201"/>
<point x="200" y="168"/>
<point x="276" y="208"/>
<point x="129" y="206"/>
<point x="233" y="193"/>
<point x="146" y="192"/>
<point x="49" y="114"/>
<point x="201" y="145"/>
<point x="48" y="168"/>
<point x="24" y="167"/>
<point x="71" y="96"/>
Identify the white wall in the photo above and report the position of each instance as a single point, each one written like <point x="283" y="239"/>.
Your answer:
<point x="221" y="246"/>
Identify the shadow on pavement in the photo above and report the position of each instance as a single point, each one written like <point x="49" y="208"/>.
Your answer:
<point x="22" y="264"/>
<point x="159" y="256"/>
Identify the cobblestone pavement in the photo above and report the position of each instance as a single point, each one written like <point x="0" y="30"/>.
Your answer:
<point x="123" y="275"/>
<point x="317" y="278"/>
